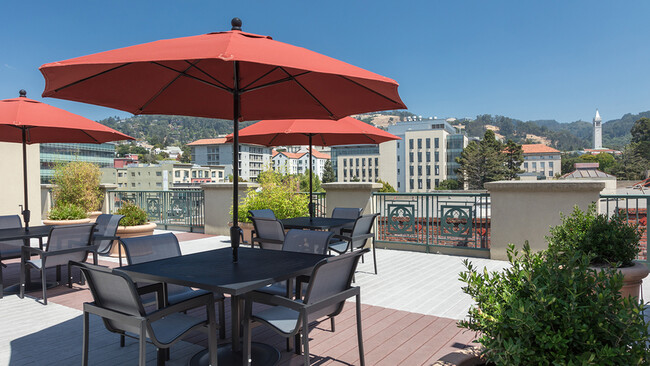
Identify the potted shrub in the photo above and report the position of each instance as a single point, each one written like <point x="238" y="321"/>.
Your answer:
<point x="77" y="183"/>
<point x="66" y="214"/>
<point x="551" y="307"/>
<point x="279" y="193"/>
<point x="612" y="242"/>
<point x="134" y="223"/>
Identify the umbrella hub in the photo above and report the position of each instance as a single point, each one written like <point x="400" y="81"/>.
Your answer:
<point x="22" y="93"/>
<point x="236" y="24"/>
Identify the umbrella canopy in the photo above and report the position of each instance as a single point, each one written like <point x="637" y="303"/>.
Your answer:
<point x="28" y="121"/>
<point x="232" y="74"/>
<point x="345" y="131"/>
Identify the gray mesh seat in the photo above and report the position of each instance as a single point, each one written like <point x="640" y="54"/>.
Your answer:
<point x="153" y="247"/>
<point x="357" y="238"/>
<point x="302" y="241"/>
<point x="328" y="289"/>
<point x="345" y="213"/>
<point x="9" y="249"/>
<point x="117" y="301"/>
<point x="269" y="233"/>
<point x="64" y="244"/>
<point x="267" y="213"/>
<point x="105" y="233"/>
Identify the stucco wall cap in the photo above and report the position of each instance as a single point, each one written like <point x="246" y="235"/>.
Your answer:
<point x="223" y="186"/>
<point x="545" y="186"/>
<point x="352" y="186"/>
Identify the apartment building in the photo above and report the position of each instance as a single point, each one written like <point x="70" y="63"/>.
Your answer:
<point x="57" y="153"/>
<point x="298" y="163"/>
<point x="353" y="163"/>
<point x="252" y="158"/>
<point x="542" y="160"/>
<point x="163" y="176"/>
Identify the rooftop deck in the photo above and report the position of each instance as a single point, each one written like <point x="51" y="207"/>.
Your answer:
<point x="409" y="317"/>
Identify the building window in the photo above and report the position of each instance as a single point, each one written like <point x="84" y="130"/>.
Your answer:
<point x="534" y="166"/>
<point x="542" y="165"/>
<point x="397" y="171"/>
<point x="397" y="157"/>
<point x="363" y="162"/>
<point x="419" y="143"/>
<point x="357" y="161"/>
<point x="428" y="169"/>
<point x="369" y="161"/>
<point x="132" y="184"/>
<point x="437" y="182"/>
<point x="526" y="166"/>
<point x="411" y="156"/>
<point x="550" y="173"/>
<point x="376" y="161"/>
<point x="419" y="169"/>
<point x="436" y="142"/>
<point x="177" y="174"/>
<point x="437" y="169"/>
<point x="376" y="172"/>
<point x="398" y="144"/>
<point x="437" y="157"/>
<point x="428" y="143"/>
<point x="220" y="174"/>
<point x="419" y="156"/>
<point x="345" y="174"/>
<point x="133" y="174"/>
<point x="419" y="183"/>
<point x="550" y="165"/>
<point x="411" y="183"/>
<point x="428" y="183"/>
<point x="411" y="170"/>
<point x="345" y="163"/>
<point x="428" y="157"/>
<point x="214" y="174"/>
<point x="158" y="184"/>
<point x="410" y="143"/>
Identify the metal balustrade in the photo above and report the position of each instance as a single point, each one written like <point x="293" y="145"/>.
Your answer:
<point x="320" y="210"/>
<point x="434" y="219"/>
<point x="635" y="210"/>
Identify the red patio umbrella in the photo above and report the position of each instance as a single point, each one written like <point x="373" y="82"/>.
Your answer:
<point x="235" y="75"/>
<point x="28" y="121"/>
<point x="345" y="131"/>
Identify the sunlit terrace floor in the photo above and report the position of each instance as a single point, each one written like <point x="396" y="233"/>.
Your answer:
<point x="409" y="317"/>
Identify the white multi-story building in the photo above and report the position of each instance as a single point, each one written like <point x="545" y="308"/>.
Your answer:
<point x="298" y="163"/>
<point x="163" y="176"/>
<point x="252" y="158"/>
<point x="541" y="160"/>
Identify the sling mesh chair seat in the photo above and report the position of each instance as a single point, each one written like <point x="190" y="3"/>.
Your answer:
<point x="345" y="213"/>
<point x="153" y="247"/>
<point x="266" y="213"/>
<point x="64" y="244"/>
<point x="9" y="249"/>
<point x="361" y="232"/>
<point x="302" y="241"/>
<point x="105" y="232"/>
<point x="117" y="301"/>
<point x="329" y="287"/>
<point x="269" y="233"/>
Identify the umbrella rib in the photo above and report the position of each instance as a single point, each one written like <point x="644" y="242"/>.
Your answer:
<point x="288" y="78"/>
<point x="91" y="76"/>
<point x="195" y="78"/>
<point x="258" y="79"/>
<point x="210" y="76"/>
<point x="180" y="73"/>
<point x="307" y="91"/>
<point x="369" y="89"/>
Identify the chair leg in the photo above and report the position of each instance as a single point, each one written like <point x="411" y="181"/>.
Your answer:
<point x="212" y="333"/>
<point x="246" y="338"/>
<point x="160" y="357"/>
<point x="119" y="252"/>
<point x="362" y="361"/>
<point x="222" y="320"/>
<point x="70" y="275"/>
<point x="44" y="285"/>
<point x="122" y="340"/>
<point x="58" y="274"/>
<point x="142" y="359"/>
<point x="374" y="255"/>
<point x="21" y="293"/>
<point x="84" y="344"/>
<point x="305" y="339"/>
<point x="1" y="285"/>
<point x="297" y="348"/>
<point x="332" y="322"/>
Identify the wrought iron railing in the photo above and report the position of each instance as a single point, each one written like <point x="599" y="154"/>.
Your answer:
<point x="433" y="219"/>
<point x="320" y="210"/>
<point x="180" y="208"/>
<point x="635" y="210"/>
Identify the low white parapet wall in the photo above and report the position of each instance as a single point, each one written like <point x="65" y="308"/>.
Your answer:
<point x="218" y="201"/>
<point x="350" y="194"/>
<point x="525" y="210"/>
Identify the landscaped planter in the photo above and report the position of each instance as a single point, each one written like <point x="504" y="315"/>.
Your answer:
<point x="92" y="215"/>
<point x="632" y="278"/>
<point x="66" y="222"/>
<point x="131" y="232"/>
<point x="247" y="228"/>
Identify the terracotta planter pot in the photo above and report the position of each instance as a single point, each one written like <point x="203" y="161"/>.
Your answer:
<point x="92" y="215"/>
<point x="66" y="222"/>
<point x="131" y="232"/>
<point x="470" y="356"/>
<point x="632" y="278"/>
<point x="247" y="228"/>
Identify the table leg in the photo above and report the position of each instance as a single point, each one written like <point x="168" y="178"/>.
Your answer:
<point x="235" y="319"/>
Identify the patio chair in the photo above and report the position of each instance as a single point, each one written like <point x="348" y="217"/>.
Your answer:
<point x="269" y="233"/>
<point x="267" y="212"/>
<point x="302" y="241"/>
<point x="105" y="231"/>
<point x="152" y="247"/>
<point x="117" y="301"/>
<point x="328" y="289"/>
<point x="64" y="244"/>
<point x="9" y="249"/>
<point x="361" y="232"/>
<point x="345" y="213"/>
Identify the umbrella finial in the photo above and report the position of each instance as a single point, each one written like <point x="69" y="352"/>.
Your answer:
<point x="22" y="93"/>
<point x="236" y="24"/>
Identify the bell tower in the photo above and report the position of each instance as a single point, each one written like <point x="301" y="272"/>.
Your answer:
<point x="598" y="132"/>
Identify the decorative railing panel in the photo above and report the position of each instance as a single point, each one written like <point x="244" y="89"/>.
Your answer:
<point x="433" y="219"/>
<point x="320" y="210"/>
<point x="182" y="208"/>
<point x="635" y="209"/>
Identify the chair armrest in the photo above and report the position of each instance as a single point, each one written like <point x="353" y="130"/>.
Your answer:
<point x="268" y="299"/>
<point x="270" y="241"/>
<point x="346" y="230"/>
<point x="341" y="296"/>
<point x="342" y="237"/>
<point x="29" y="250"/>
<point x="92" y="308"/>
<point x="88" y="248"/>
<point x="105" y="237"/>
<point x="205" y="299"/>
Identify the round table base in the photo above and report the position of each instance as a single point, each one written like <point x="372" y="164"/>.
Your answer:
<point x="261" y="354"/>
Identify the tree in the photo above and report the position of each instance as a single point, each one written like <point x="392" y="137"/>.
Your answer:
<point x="641" y="139"/>
<point x="482" y="162"/>
<point x="355" y="179"/>
<point x="328" y="172"/>
<point x="514" y="159"/>
<point x="386" y="187"/>
<point x="304" y="182"/>
<point x="186" y="155"/>
<point x="448" y="185"/>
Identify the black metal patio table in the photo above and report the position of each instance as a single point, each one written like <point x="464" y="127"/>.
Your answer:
<point x="25" y="234"/>
<point x="215" y="271"/>
<point x="315" y="223"/>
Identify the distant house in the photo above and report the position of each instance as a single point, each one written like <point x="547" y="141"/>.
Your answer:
<point x="590" y="171"/>
<point x="298" y="163"/>
<point x="542" y="160"/>
<point x="252" y="158"/>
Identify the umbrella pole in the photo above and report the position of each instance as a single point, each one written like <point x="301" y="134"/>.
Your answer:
<point x="311" y="178"/>
<point x="235" y="231"/>
<point x="25" y="212"/>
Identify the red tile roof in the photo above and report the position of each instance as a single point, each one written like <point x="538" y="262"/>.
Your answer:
<point x="537" y="149"/>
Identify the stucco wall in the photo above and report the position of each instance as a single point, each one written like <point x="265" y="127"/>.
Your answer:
<point x="11" y="184"/>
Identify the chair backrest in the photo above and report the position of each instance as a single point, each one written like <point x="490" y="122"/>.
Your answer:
<point x="68" y="237"/>
<point x="267" y="212"/>
<point x="10" y="248"/>
<point x="106" y="226"/>
<point x="268" y="229"/>
<point x="346" y="212"/>
<point x="307" y="241"/>
<point x="114" y="290"/>
<point x="330" y="277"/>
<point x="362" y="226"/>
<point x="151" y="247"/>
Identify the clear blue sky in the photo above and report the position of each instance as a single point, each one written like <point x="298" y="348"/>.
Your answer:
<point x="523" y="59"/>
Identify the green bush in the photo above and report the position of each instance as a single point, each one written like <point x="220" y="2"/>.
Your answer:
<point x="552" y="309"/>
<point x="279" y="193"/>
<point x="133" y="215"/>
<point x="610" y="241"/>
<point x="67" y="211"/>
<point x="77" y="183"/>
